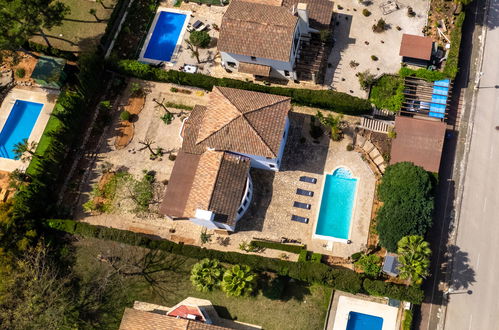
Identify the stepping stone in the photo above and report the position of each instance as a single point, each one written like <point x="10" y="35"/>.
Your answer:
<point x="360" y="140"/>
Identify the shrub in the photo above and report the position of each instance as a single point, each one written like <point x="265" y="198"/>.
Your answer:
<point x="325" y="35"/>
<point x="20" y="73"/>
<point x="316" y="257"/>
<point x="410" y="12"/>
<point x="374" y="57"/>
<point x="125" y="115"/>
<point x="411" y="294"/>
<point x="206" y="275"/>
<point x="356" y="256"/>
<point x="380" y="26"/>
<point x="452" y="63"/>
<point x="172" y="157"/>
<point x="239" y="280"/>
<point x="366" y="12"/>
<point x="422" y="73"/>
<point x="350" y="147"/>
<point x="406" y="191"/>
<point x="303" y="256"/>
<point x="366" y="79"/>
<point x="407" y="323"/>
<point x="324" y="99"/>
<point x="370" y="264"/>
<point x="279" y="246"/>
<point x="167" y="118"/>
<point x="388" y="93"/>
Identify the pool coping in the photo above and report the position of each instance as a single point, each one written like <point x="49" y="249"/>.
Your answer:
<point x="346" y="304"/>
<point x="35" y="95"/>
<point x="354" y="209"/>
<point x="151" y="31"/>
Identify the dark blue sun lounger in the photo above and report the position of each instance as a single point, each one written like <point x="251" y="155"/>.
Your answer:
<point x="299" y="219"/>
<point x="302" y="205"/>
<point x="304" y="192"/>
<point x="308" y="179"/>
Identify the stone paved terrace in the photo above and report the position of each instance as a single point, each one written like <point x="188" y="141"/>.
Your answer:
<point x="270" y="213"/>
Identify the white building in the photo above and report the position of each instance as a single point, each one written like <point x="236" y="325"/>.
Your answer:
<point x="210" y="182"/>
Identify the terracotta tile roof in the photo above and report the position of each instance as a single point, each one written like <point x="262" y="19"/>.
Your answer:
<point x="320" y="12"/>
<point x="266" y="2"/>
<point x="229" y="188"/>
<point x="416" y="47"/>
<point x="259" y="30"/>
<point x="254" y="69"/>
<point x="204" y="182"/>
<point x="134" y="319"/>
<point x="141" y="320"/>
<point x="179" y="185"/>
<point x="184" y="310"/>
<point x="239" y="121"/>
<point x="217" y="183"/>
<point x="418" y="141"/>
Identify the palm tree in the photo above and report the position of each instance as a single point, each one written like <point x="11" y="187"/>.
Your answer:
<point x="24" y="150"/>
<point x="333" y="123"/>
<point x="206" y="275"/>
<point x="18" y="178"/>
<point x="239" y="280"/>
<point x="414" y="258"/>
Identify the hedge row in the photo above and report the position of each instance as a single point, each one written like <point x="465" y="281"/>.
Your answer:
<point x="324" y="99"/>
<point x="385" y="289"/>
<point x="279" y="246"/>
<point x="338" y="278"/>
<point x="452" y="63"/>
<point x="425" y="74"/>
<point x="50" y="51"/>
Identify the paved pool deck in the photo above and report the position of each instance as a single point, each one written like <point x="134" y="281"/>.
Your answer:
<point x="31" y="94"/>
<point x="344" y="303"/>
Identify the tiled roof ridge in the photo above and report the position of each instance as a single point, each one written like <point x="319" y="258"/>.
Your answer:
<point x="253" y="21"/>
<point x="244" y="114"/>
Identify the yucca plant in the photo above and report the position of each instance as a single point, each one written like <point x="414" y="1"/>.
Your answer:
<point x="239" y="280"/>
<point x="206" y="275"/>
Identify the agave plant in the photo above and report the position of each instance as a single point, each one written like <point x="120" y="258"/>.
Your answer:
<point x="206" y="274"/>
<point x="239" y="280"/>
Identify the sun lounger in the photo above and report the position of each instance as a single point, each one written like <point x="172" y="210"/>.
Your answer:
<point x="302" y="205"/>
<point x="299" y="219"/>
<point x="304" y="192"/>
<point x="308" y="179"/>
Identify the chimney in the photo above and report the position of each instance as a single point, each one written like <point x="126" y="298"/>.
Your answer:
<point x="301" y="9"/>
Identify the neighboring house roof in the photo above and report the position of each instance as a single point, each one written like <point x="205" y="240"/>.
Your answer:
<point x="214" y="181"/>
<point x="390" y="265"/>
<point x="320" y="12"/>
<point x="416" y="47"/>
<point x="136" y="319"/>
<point x="254" y="69"/>
<point x="260" y="30"/>
<point x="240" y="121"/>
<point x="419" y="141"/>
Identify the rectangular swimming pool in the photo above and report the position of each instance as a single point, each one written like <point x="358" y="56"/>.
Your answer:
<point x="165" y="36"/>
<point x="19" y="124"/>
<point x="360" y="321"/>
<point x="337" y="204"/>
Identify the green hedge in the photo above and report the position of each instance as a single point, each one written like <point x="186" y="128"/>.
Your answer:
<point x="279" y="246"/>
<point x="452" y="63"/>
<point x="50" y="51"/>
<point x="324" y="99"/>
<point x="407" y="323"/>
<point x="388" y="93"/>
<point x="422" y="73"/>
<point x="339" y="278"/>
<point x="385" y="289"/>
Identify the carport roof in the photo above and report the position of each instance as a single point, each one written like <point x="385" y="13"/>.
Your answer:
<point x="419" y="141"/>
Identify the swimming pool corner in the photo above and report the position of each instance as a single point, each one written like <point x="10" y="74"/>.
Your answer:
<point x="150" y="32"/>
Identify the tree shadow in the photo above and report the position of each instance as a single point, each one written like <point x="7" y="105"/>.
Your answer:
<point x="463" y="275"/>
<point x="295" y="290"/>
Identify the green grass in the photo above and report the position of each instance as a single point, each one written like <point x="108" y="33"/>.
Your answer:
<point x="302" y="306"/>
<point x="80" y="30"/>
<point x="387" y="93"/>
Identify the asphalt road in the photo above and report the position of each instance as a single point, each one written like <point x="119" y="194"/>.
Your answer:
<point x="473" y="300"/>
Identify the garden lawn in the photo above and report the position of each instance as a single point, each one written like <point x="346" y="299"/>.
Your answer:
<point x="302" y="306"/>
<point x="388" y="93"/>
<point x="80" y="30"/>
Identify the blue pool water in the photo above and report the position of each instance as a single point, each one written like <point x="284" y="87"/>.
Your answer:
<point x="359" y="321"/>
<point x="19" y="124"/>
<point x="336" y="205"/>
<point x="165" y="35"/>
